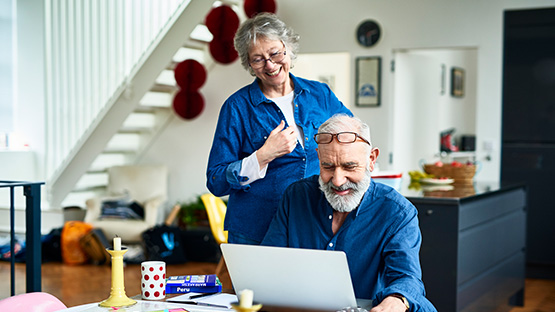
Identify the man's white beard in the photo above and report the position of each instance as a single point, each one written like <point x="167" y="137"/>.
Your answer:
<point x="345" y="203"/>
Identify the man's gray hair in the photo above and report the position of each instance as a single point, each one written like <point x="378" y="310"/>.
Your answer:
<point x="343" y="122"/>
<point x="264" y="25"/>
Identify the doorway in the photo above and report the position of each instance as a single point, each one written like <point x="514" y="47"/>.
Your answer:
<point x="424" y="103"/>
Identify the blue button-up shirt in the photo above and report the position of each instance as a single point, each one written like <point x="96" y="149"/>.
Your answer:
<point x="246" y="119"/>
<point x="381" y="238"/>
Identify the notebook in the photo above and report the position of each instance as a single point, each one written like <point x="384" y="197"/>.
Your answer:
<point x="292" y="277"/>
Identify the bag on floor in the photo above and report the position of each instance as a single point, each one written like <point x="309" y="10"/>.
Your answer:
<point x="73" y="231"/>
<point x="94" y="244"/>
<point x="164" y="243"/>
<point x="52" y="246"/>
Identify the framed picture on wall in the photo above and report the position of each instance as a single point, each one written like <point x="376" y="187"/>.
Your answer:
<point x="457" y="82"/>
<point x="368" y="84"/>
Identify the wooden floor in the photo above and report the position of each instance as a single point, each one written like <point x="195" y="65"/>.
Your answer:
<point x="80" y="284"/>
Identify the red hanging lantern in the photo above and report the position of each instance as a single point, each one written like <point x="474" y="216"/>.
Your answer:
<point x="188" y="105"/>
<point x="190" y="75"/>
<point x="223" y="51"/>
<point x="222" y="22"/>
<point x="253" y="7"/>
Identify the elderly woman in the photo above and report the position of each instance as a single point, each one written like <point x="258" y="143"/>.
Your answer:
<point x="263" y="137"/>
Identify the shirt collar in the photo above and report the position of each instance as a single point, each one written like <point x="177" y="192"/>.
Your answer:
<point x="257" y="97"/>
<point x="367" y="197"/>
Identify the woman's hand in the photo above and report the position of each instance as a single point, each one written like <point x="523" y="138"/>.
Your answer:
<point x="279" y="142"/>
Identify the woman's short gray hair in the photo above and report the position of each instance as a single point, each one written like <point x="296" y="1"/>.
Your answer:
<point x="264" y="25"/>
<point x="343" y="122"/>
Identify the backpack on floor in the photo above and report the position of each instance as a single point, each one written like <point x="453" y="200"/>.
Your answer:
<point x="94" y="244"/>
<point x="163" y="243"/>
<point x="72" y="232"/>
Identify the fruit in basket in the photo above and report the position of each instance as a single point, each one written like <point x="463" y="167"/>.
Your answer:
<point x="438" y="164"/>
<point x="459" y="171"/>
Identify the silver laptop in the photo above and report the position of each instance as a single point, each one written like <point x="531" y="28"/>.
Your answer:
<point x="292" y="277"/>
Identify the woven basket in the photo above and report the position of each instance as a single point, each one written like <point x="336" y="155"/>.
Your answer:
<point x="465" y="173"/>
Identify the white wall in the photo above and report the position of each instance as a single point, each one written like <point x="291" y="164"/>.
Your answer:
<point x="6" y="68"/>
<point x="329" y="26"/>
<point x="30" y="68"/>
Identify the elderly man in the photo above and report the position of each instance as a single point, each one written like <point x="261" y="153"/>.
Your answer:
<point x="343" y="209"/>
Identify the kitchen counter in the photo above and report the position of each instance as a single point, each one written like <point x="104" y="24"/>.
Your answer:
<point x="473" y="244"/>
<point x="455" y="191"/>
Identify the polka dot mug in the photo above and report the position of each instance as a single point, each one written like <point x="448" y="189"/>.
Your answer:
<point x="153" y="280"/>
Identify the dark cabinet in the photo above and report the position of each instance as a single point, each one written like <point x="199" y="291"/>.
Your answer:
<point x="528" y="125"/>
<point x="473" y="249"/>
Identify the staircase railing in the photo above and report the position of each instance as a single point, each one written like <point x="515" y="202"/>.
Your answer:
<point x="91" y="91"/>
<point x="93" y="47"/>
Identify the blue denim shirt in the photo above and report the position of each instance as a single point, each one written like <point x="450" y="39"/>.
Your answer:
<point x="246" y="119"/>
<point x="381" y="238"/>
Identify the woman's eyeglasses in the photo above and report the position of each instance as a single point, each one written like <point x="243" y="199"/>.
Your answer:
<point x="341" y="137"/>
<point x="260" y="62"/>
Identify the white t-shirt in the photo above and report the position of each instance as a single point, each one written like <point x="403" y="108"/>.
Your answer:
<point x="249" y="165"/>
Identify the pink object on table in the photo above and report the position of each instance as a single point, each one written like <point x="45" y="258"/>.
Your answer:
<point x="32" y="302"/>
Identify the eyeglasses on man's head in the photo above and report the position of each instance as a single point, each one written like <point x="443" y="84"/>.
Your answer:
<point x="341" y="137"/>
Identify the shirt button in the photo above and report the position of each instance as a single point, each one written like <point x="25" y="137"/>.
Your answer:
<point x="265" y="137"/>
<point x="330" y="217"/>
<point x="306" y="138"/>
<point x="331" y="244"/>
<point x="304" y="159"/>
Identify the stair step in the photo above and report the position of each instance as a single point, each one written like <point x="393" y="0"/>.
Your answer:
<point x="107" y="160"/>
<point x="124" y="142"/>
<point x="188" y="53"/>
<point x="139" y="121"/>
<point x="201" y="33"/>
<point x="79" y="198"/>
<point x="92" y="180"/>
<point x="166" y="78"/>
<point x="164" y="88"/>
<point x="157" y="99"/>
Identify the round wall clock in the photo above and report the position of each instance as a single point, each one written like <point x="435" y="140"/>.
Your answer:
<point x="368" y="33"/>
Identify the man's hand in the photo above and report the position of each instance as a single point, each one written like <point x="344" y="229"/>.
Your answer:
<point x="280" y="142"/>
<point x="390" y="304"/>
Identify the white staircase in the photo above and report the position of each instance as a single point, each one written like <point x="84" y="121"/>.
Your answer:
<point x="137" y="113"/>
<point x="138" y="130"/>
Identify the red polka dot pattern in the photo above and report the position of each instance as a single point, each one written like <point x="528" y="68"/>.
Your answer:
<point x="153" y="281"/>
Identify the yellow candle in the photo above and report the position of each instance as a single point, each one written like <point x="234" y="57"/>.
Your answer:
<point x="245" y="301"/>
<point x="117" y="243"/>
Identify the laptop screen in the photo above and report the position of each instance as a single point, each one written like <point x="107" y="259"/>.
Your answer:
<point x="292" y="277"/>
